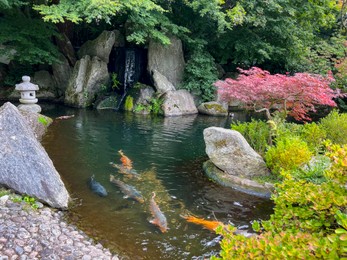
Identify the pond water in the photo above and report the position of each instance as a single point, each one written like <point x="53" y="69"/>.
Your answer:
<point x="168" y="154"/>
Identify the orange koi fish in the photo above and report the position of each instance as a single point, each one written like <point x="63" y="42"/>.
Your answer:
<point x="208" y="224"/>
<point x="125" y="160"/>
<point x="159" y="218"/>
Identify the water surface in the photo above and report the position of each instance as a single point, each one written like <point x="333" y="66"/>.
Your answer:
<point x="168" y="153"/>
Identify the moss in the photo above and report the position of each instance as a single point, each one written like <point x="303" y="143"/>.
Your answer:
<point x="220" y="144"/>
<point x="129" y="103"/>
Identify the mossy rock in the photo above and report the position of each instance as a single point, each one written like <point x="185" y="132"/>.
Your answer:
<point x="241" y="184"/>
<point x="212" y="109"/>
<point x="111" y="102"/>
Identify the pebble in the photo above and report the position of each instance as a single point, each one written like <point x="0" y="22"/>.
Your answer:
<point x="26" y="233"/>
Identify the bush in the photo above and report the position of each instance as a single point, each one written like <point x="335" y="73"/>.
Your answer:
<point x="257" y="134"/>
<point x="288" y="154"/>
<point x="335" y="126"/>
<point x="314" y="135"/>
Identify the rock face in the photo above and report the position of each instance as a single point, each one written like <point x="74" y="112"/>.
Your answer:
<point x="88" y="77"/>
<point x="37" y="122"/>
<point x="212" y="109"/>
<point x="100" y="47"/>
<point x="24" y="164"/>
<point x="61" y="75"/>
<point x="230" y="152"/>
<point x="47" y="85"/>
<point x="178" y="103"/>
<point x="161" y="83"/>
<point x="168" y="60"/>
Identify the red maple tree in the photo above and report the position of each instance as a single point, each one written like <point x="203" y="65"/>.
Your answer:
<point x="293" y="95"/>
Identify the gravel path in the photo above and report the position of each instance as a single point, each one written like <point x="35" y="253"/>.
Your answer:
<point x="27" y="233"/>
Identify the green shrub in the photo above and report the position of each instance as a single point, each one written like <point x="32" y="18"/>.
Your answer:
<point x="314" y="135"/>
<point x="335" y="126"/>
<point x="257" y="134"/>
<point x="288" y="154"/>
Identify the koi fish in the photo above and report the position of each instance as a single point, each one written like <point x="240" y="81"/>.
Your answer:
<point x="126" y="171"/>
<point x="208" y="224"/>
<point x="125" y="160"/>
<point x="159" y="218"/>
<point x="64" y="117"/>
<point x="128" y="190"/>
<point x="96" y="187"/>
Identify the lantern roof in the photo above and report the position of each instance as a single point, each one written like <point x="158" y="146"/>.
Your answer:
<point x="26" y="85"/>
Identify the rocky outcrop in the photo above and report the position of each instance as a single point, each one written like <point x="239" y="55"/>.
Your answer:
<point x="24" y="164"/>
<point x="212" y="109"/>
<point x="47" y="85"/>
<point x="143" y="99"/>
<point x="167" y="59"/>
<point x="161" y="83"/>
<point x="178" y="103"/>
<point x="230" y="152"/>
<point x="88" y="78"/>
<point x="100" y="47"/>
<point x="110" y="102"/>
<point x="61" y="75"/>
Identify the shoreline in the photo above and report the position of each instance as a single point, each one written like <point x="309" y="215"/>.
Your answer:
<point x="29" y="233"/>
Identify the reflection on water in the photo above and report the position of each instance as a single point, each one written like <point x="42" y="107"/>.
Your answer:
<point x="168" y="154"/>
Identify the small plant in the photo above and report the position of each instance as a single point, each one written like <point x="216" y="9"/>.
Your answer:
<point x="42" y="120"/>
<point x="257" y="134"/>
<point x="288" y="154"/>
<point x="129" y="103"/>
<point x="335" y="126"/>
<point x="141" y="107"/>
<point x="28" y="200"/>
<point x="155" y="105"/>
<point x="115" y="82"/>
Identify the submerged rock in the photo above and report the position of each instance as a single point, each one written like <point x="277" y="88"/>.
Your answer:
<point x="24" y="164"/>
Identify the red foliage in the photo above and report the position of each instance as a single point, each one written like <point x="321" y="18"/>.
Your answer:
<point x="295" y="95"/>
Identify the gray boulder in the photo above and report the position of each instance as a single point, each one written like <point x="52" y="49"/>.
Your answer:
<point x="212" y="109"/>
<point x="161" y="83"/>
<point x="24" y="163"/>
<point x="46" y="83"/>
<point x="88" y="78"/>
<point x="178" y="103"/>
<point x="168" y="60"/>
<point x="230" y="152"/>
<point x="61" y="75"/>
<point x="37" y="122"/>
<point x="100" y="47"/>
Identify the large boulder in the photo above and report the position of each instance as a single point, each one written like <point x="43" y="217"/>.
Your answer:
<point x="231" y="153"/>
<point x="161" y="83"/>
<point x="88" y="78"/>
<point x="178" y="103"/>
<point x="61" y="75"/>
<point x="37" y="122"/>
<point x="100" y="47"/>
<point x="24" y="164"/>
<point x="167" y="59"/>
<point x="212" y="109"/>
<point x="46" y="83"/>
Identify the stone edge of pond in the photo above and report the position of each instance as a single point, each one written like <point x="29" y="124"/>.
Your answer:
<point x="29" y="233"/>
<point x="241" y="184"/>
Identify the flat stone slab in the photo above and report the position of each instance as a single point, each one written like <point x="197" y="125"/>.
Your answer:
<point x="241" y="184"/>
<point x="24" y="164"/>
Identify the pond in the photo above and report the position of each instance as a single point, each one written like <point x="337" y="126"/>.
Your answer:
<point x="168" y="154"/>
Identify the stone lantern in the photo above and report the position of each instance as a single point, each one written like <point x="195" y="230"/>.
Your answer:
<point x="28" y="98"/>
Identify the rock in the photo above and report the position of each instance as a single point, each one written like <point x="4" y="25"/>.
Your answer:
<point x="241" y="184"/>
<point x="110" y="102"/>
<point x="177" y="103"/>
<point x="47" y="85"/>
<point x="167" y="59"/>
<point x="32" y="108"/>
<point x="143" y="96"/>
<point x="61" y="75"/>
<point x="161" y="83"/>
<point x="25" y="165"/>
<point x="100" y="47"/>
<point x="212" y="109"/>
<point x="119" y="39"/>
<point x="37" y="122"/>
<point x="88" y="78"/>
<point x="65" y="46"/>
<point x="230" y="152"/>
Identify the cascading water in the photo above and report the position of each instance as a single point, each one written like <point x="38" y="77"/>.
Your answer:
<point x="129" y="73"/>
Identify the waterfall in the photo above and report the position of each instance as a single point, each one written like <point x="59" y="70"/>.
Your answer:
<point x="129" y="73"/>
